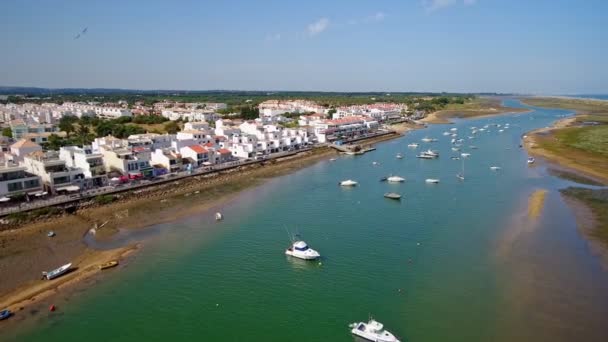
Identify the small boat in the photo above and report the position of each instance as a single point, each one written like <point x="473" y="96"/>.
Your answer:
<point x="455" y="149"/>
<point x="412" y="145"/>
<point x="426" y="139"/>
<point x="392" y="195"/>
<point x="219" y="216"/>
<point x="348" y="182"/>
<point x="453" y="141"/>
<point x="51" y="234"/>
<point x="501" y="130"/>
<point x="460" y="176"/>
<point x="395" y="179"/>
<point x="455" y="158"/>
<point x="299" y="249"/>
<point x="464" y="155"/>
<point x="108" y="264"/>
<point x="374" y="163"/>
<point x="4" y="314"/>
<point x="432" y="180"/>
<point x="372" y="331"/>
<point x="57" y="272"/>
<point x="531" y="160"/>
<point x="425" y="156"/>
<point x="453" y="129"/>
<point x="494" y="168"/>
<point x="332" y="159"/>
<point x="399" y="156"/>
<point x="446" y="133"/>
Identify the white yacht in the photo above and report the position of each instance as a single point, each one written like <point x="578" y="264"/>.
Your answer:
<point x="431" y="153"/>
<point x="432" y="180"/>
<point x="300" y="249"/>
<point x="412" y="145"/>
<point x="348" y="182"/>
<point x="395" y="179"/>
<point x="372" y="331"/>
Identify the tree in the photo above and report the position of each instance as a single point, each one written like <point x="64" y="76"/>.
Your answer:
<point x="171" y="127"/>
<point x="84" y="134"/>
<point x="66" y="124"/>
<point x="7" y="132"/>
<point x="55" y="142"/>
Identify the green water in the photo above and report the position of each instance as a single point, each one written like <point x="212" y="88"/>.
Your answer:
<point x="456" y="261"/>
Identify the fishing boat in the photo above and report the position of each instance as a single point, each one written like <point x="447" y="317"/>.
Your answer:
<point x="219" y="216"/>
<point x="392" y="195"/>
<point x="57" y="272"/>
<point x="494" y="168"/>
<point x="412" y="145"/>
<point x="372" y="331"/>
<point x="299" y="249"/>
<point x="4" y="314"/>
<point x="531" y="160"/>
<point x="395" y="179"/>
<point x="432" y="180"/>
<point x="348" y="182"/>
<point x="108" y="264"/>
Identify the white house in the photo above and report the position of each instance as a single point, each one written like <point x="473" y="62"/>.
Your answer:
<point x="15" y="179"/>
<point x="90" y="163"/>
<point x="54" y="173"/>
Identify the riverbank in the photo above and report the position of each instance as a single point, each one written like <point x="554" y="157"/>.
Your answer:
<point x="483" y="107"/>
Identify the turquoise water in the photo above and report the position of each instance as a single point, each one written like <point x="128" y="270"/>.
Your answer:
<point x="456" y="261"/>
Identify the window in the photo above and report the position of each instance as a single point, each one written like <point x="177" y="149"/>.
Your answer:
<point x="14" y="186"/>
<point x="61" y="180"/>
<point x="33" y="183"/>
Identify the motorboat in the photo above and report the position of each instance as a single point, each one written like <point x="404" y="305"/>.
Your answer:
<point x="501" y="130"/>
<point x="432" y="180"/>
<point x="392" y="195"/>
<point x="455" y="149"/>
<point x="455" y="158"/>
<point x="399" y="156"/>
<point x="426" y="140"/>
<point x="412" y="145"/>
<point x="425" y="156"/>
<point x="446" y="133"/>
<point x="494" y="168"/>
<point x="453" y="129"/>
<point x="109" y="264"/>
<point x="332" y="159"/>
<point x="219" y="216"/>
<point x="395" y="179"/>
<point x="4" y="314"/>
<point x="375" y="163"/>
<point x="531" y="160"/>
<point x="57" y="272"/>
<point x="453" y="141"/>
<point x="383" y="179"/>
<point x="372" y="331"/>
<point x="299" y="249"/>
<point x="464" y="155"/>
<point x="431" y="153"/>
<point x="348" y="182"/>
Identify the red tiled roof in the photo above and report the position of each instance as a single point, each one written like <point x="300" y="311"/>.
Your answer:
<point x="198" y="149"/>
<point x="209" y="144"/>
<point x="224" y="151"/>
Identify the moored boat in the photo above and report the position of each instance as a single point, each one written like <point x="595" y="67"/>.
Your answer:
<point x="531" y="160"/>
<point x="432" y="180"/>
<point x="219" y="216"/>
<point x="494" y="168"/>
<point x="395" y="179"/>
<point x="57" y="272"/>
<point x="4" y="314"/>
<point x="299" y="249"/>
<point x="392" y="195"/>
<point x="412" y="145"/>
<point x="348" y="182"/>
<point x="109" y="264"/>
<point x="372" y="331"/>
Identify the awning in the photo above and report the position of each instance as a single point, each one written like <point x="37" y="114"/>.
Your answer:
<point x="68" y="188"/>
<point x="37" y="193"/>
<point x="207" y="163"/>
<point x="4" y="199"/>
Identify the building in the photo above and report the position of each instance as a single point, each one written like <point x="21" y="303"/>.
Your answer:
<point x="197" y="155"/>
<point x="55" y="175"/>
<point x="90" y="163"/>
<point x="127" y="161"/>
<point x="23" y="147"/>
<point x="167" y="159"/>
<point x="348" y="127"/>
<point x="15" y="179"/>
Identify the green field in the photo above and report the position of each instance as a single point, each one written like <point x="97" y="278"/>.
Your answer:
<point x="591" y="110"/>
<point x="597" y="200"/>
<point x="592" y="139"/>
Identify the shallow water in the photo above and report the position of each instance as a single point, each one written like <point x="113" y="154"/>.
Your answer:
<point x="455" y="261"/>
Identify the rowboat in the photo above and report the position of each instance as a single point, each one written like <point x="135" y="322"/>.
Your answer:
<point x="108" y="264"/>
<point x="57" y="272"/>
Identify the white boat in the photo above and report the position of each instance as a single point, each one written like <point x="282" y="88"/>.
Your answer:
<point x="375" y="163"/>
<point x="392" y="195"/>
<point x="446" y="133"/>
<point x="501" y="130"/>
<point x="453" y="129"/>
<point x="218" y="216"/>
<point x="531" y="160"/>
<point x="431" y="153"/>
<point x="299" y="249"/>
<point x="372" y="331"/>
<point x="461" y="174"/>
<point x="455" y="149"/>
<point x="412" y="145"/>
<point x="332" y="159"/>
<point x="395" y="179"/>
<point x="432" y="180"/>
<point x="425" y="156"/>
<point x="494" y="168"/>
<point x="348" y="182"/>
<point x="57" y="272"/>
<point x="453" y="141"/>
<point x="399" y="156"/>
<point x="464" y="155"/>
<point x="426" y="139"/>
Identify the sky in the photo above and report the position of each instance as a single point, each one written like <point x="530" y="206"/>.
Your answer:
<point x="515" y="46"/>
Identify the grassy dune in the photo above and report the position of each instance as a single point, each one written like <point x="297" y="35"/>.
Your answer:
<point x="588" y="110"/>
<point x="481" y="106"/>
<point x="597" y="201"/>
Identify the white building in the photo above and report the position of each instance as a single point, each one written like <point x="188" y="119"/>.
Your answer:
<point x="90" y="163"/>
<point x="15" y="179"/>
<point x="53" y="172"/>
<point x="167" y="159"/>
<point x="198" y="155"/>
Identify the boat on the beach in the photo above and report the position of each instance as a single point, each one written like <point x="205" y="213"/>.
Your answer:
<point x="57" y="272"/>
<point x="51" y="234"/>
<point x="531" y="160"/>
<point x="4" y="314"/>
<point x="109" y="264"/>
<point x="392" y="195"/>
<point x="299" y="249"/>
<point x="219" y="216"/>
<point x="395" y="179"/>
<point x="432" y="180"/>
<point x="412" y="145"/>
<point x="348" y="182"/>
<point x="372" y="331"/>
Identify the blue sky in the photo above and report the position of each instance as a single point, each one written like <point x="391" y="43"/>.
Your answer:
<point x="527" y="46"/>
